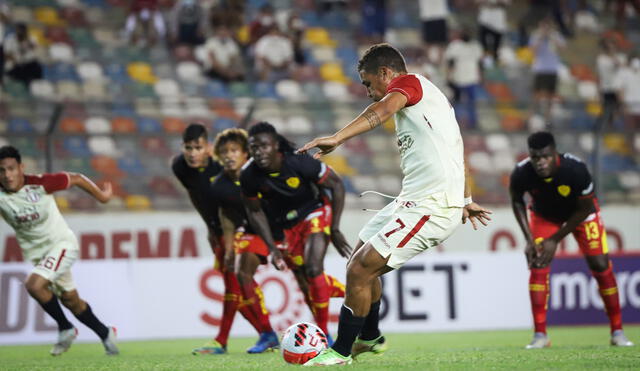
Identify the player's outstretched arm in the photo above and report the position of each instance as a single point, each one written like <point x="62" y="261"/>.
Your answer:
<point x="472" y="211"/>
<point x="372" y="117"/>
<point x="335" y="185"/>
<point x="258" y="221"/>
<point x="101" y="194"/>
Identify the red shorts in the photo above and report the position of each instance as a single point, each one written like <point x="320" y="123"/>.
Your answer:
<point x="318" y="221"/>
<point x="247" y="242"/>
<point x="590" y="234"/>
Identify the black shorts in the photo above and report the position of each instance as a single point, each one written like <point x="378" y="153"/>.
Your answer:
<point x="545" y="82"/>
<point x="435" y="31"/>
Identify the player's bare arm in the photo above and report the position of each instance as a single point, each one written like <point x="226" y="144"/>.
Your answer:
<point x="334" y="184"/>
<point x="372" y="117"/>
<point x="101" y="194"/>
<point x="520" y="212"/>
<point x="547" y="248"/>
<point x="259" y="223"/>
<point x="472" y="211"/>
<point x="228" y="231"/>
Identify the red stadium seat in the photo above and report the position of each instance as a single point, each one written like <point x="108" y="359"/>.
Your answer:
<point x="124" y="125"/>
<point x="72" y="125"/>
<point x="173" y="125"/>
<point x="106" y="166"/>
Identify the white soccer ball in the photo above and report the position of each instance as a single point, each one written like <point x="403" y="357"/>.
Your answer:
<point x="301" y="342"/>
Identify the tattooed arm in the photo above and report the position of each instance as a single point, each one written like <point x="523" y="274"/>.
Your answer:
<point x="373" y="116"/>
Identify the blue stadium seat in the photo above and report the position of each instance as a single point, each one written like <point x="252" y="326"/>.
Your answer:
<point x="216" y="89"/>
<point x="117" y="72"/>
<point x="132" y="165"/>
<point x="266" y="90"/>
<point x="147" y="125"/>
<point x="224" y="123"/>
<point x="77" y="146"/>
<point x="20" y="125"/>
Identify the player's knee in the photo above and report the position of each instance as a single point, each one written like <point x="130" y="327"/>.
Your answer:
<point x="35" y="288"/>
<point x="313" y="270"/>
<point x="598" y="265"/>
<point x="244" y="277"/>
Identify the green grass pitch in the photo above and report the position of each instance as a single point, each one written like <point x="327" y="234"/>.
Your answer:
<point x="573" y="348"/>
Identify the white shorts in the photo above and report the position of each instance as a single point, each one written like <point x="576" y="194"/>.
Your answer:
<point x="55" y="266"/>
<point x="403" y="229"/>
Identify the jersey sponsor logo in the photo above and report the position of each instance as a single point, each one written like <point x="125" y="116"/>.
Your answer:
<point x="32" y="196"/>
<point x="293" y="182"/>
<point x="212" y="179"/>
<point x="404" y="143"/>
<point x="427" y="120"/>
<point x="564" y="190"/>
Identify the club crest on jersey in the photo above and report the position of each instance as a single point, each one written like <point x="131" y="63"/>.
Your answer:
<point x="404" y="143"/>
<point x="32" y="196"/>
<point x="293" y="182"/>
<point x="564" y="190"/>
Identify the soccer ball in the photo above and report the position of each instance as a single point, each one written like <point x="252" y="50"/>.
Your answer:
<point x="301" y="342"/>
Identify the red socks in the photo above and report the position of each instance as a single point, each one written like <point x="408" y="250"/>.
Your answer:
<point x="254" y="301"/>
<point x="336" y="287"/>
<point x="230" y="306"/>
<point x="319" y="291"/>
<point x="609" y="293"/>
<point x="539" y="294"/>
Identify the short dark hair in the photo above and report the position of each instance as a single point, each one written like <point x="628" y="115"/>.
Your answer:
<point x="10" y="152"/>
<point x="540" y="140"/>
<point x="284" y="145"/>
<point x="231" y="135"/>
<point x="382" y="55"/>
<point x="194" y="131"/>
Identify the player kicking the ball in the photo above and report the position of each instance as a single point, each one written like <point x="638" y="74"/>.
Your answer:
<point x="285" y="191"/>
<point x="433" y="201"/>
<point x="563" y="202"/>
<point x="232" y="150"/>
<point x="197" y="170"/>
<point x="28" y="206"/>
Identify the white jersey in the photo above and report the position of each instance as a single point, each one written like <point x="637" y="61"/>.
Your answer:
<point x="429" y="140"/>
<point x="34" y="215"/>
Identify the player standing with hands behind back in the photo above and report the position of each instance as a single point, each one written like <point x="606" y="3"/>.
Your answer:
<point x="26" y="204"/>
<point x="563" y="202"/>
<point x="434" y="199"/>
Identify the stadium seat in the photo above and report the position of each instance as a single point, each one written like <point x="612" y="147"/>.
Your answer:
<point x="94" y="90"/>
<point x="290" y="90"/>
<point x="77" y="146"/>
<point x="167" y="88"/>
<point x="123" y="125"/>
<point x="21" y="14"/>
<point x="339" y="164"/>
<point x="72" y="125"/>
<point x="89" y="71"/>
<point x="183" y="53"/>
<point x="332" y="71"/>
<point x="588" y="91"/>
<point x="147" y="125"/>
<point x="480" y="161"/>
<point x="155" y="146"/>
<point x="106" y="166"/>
<point x="224" y="123"/>
<point x="20" y="125"/>
<point x="336" y="91"/>
<point x="42" y="89"/>
<point x="103" y="145"/>
<point x="141" y="72"/>
<point x="163" y="186"/>
<point x="173" y="125"/>
<point x="48" y="16"/>
<point x="131" y="165"/>
<point x="300" y="125"/>
<point x="137" y="203"/>
<point x="318" y="36"/>
<point x="61" y="52"/>
<point x="97" y="125"/>
<point x="68" y="89"/>
<point x="190" y="71"/>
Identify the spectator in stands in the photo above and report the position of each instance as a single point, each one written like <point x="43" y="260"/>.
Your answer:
<point x="608" y="62"/>
<point x="295" y="31"/>
<point x="545" y="42"/>
<point x="621" y="7"/>
<point x="555" y="10"/>
<point x="435" y="35"/>
<point x="492" y="24"/>
<point x="4" y="22"/>
<point x="262" y="24"/>
<point x="187" y="20"/>
<point x="273" y="56"/>
<point x="627" y="84"/>
<point x="223" y="56"/>
<point x="21" y="53"/>
<point x="374" y="22"/>
<point x="464" y="60"/>
<point x="145" y="12"/>
<point x="229" y="13"/>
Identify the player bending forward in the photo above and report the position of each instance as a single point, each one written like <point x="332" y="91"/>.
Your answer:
<point x="563" y="202"/>
<point x="232" y="150"/>
<point x="282" y="190"/>
<point x="197" y="170"/>
<point x="27" y="205"/>
<point x="433" y="201"/>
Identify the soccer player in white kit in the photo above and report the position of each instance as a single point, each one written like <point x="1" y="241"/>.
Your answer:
<point x="434" y="199"/>
<point x="28" y="206"/>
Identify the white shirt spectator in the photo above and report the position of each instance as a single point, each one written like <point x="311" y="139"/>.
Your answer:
<point x="466" y="57"/>
<point x="20" y="52"/>
<point x="493" y="15"/>
<point x="433" y="9"/>
<point x="276" y="49"/>
<point x="627" y="83"/>
<point x="608" y="66"/>
<point x="225" y="51"/>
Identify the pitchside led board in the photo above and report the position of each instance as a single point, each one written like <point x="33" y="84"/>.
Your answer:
<point x="151" y="275"/>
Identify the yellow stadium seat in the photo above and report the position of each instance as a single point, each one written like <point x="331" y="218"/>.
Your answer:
<point x="389" y="125"/>
<point x="594" y="109"/>
<point x="141" y="72"/>
<point x="339" y="164"/>
<point x="243" y="35"/>
<point x="525" y="55"/>
<point x="617" y="143"/>
<point x="48" y="16"/>
<point x="319" y="36"/>
<point x="38" y="34"/>
<point x="63" y="203"/>
<point x="332" y="71"/>
<point x="137" y="202"/>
